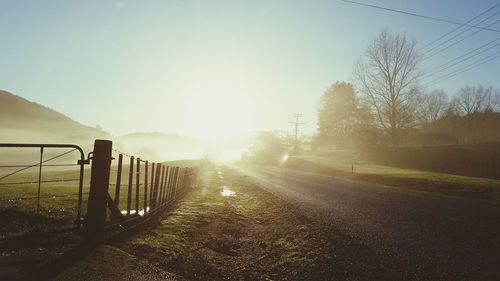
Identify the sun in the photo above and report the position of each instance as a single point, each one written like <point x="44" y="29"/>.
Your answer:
<point x="220" y="110"/>
<point x="219" y="103"/>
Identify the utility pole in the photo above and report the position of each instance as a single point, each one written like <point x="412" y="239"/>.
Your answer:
<point x="296" y="123"/>
<point x="287" y="137"/>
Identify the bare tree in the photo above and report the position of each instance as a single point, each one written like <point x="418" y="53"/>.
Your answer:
<point x="434" y="105"/>
<point x="387" y="76"/>
<point x="476" y="99"/>
<point x="491" y="100"/>
<point x="497" y="100"/>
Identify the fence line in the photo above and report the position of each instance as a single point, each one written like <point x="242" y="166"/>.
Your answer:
<point x="151" y="188"/>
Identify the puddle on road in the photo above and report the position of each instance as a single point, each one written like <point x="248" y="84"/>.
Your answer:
<point x="132" y="212"/>
<point x="226" y="192"/>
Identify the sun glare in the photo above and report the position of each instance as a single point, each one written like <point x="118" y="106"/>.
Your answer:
<point x="284" y="158"/>
<point x="218" y="107"/>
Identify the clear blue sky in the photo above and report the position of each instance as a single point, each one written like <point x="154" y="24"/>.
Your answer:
<point x="221" y="68"/>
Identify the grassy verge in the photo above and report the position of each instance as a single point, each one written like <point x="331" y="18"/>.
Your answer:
<point x="27" y="238"/>
<point x="251" y="235"/>
<point x="447" y="184"/>
<point x="58" y="200"/>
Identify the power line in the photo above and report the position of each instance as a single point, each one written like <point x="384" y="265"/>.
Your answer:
<point x="464" y="70"/>
<point x="464" y="57"/>
<point x="468" y="67"/>
<point x="459" y="27"/>
<point x="419" y="15"/>
<point x="467" y="24"/>
<point x="456" y="42"/>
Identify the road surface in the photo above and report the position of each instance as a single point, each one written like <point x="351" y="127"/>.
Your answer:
<point x="422" y="236"/>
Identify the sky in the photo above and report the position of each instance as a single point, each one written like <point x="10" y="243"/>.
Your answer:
<point x="215" y="69"/>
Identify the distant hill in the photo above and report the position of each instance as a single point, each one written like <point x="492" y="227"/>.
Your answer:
<point x="24" y="121"/>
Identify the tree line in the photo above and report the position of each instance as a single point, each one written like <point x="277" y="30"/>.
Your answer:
<point x="386" y="104"/>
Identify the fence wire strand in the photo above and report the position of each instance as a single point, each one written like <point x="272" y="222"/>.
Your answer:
<point x="36" y="197"/>
<point x="37" y="164"/>
<point x="34" y="182"/>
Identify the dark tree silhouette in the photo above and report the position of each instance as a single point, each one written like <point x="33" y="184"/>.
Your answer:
<point x="337" y="114"/>
<point x="434" y="106"/>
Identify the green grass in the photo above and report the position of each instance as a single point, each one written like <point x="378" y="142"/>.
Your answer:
<point x="58" y="204"/>
<point x="58" y="201"/>
<point x="392" y="172"/>
<point x="440" y="183"/>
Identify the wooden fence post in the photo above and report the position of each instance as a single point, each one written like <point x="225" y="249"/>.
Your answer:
<point x="160" y="192"/>
<point x="130" y="180"/>
<point x="146" y="187"/>
<point x="118" y="180"/>
<point x="137" y="185"/>
<point x="95" y="220"/>
<point x="152" y="187"/>
<point x="164" y="186"/>
<point x="167" y="185"/>
<point x="176" y="178"/>
<point x="154" y="196"/>
<point x="160" y="185"/>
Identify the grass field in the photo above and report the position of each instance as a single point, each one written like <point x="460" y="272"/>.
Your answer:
<point x="58" y="200"/>
<point x="446" y="184"/>
<point x="58" y="203"/>
<point x="393" y="172"/>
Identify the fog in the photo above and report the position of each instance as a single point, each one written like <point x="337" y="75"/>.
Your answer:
<point x="23" y="121"/>
<point x="155" y="147"/>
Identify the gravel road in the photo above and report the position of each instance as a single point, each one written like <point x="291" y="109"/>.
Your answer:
<point x="417" y="235"/>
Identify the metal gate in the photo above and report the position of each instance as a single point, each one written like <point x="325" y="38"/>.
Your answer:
<point x="150" y="188"/>
<point x="18" y="180"/>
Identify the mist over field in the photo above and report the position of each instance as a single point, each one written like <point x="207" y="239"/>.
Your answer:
<point x="22" y="121"/>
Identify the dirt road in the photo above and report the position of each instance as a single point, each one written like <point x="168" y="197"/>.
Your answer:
<point x="415" y="235"/>
<point x="230" y="229"/>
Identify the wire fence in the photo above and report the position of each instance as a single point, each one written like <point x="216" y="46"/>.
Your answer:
<point x="42" y="194"/>
<point x="41" y="191"/>
<point x="42" y="186"/>
<point x="139" y="187"/>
